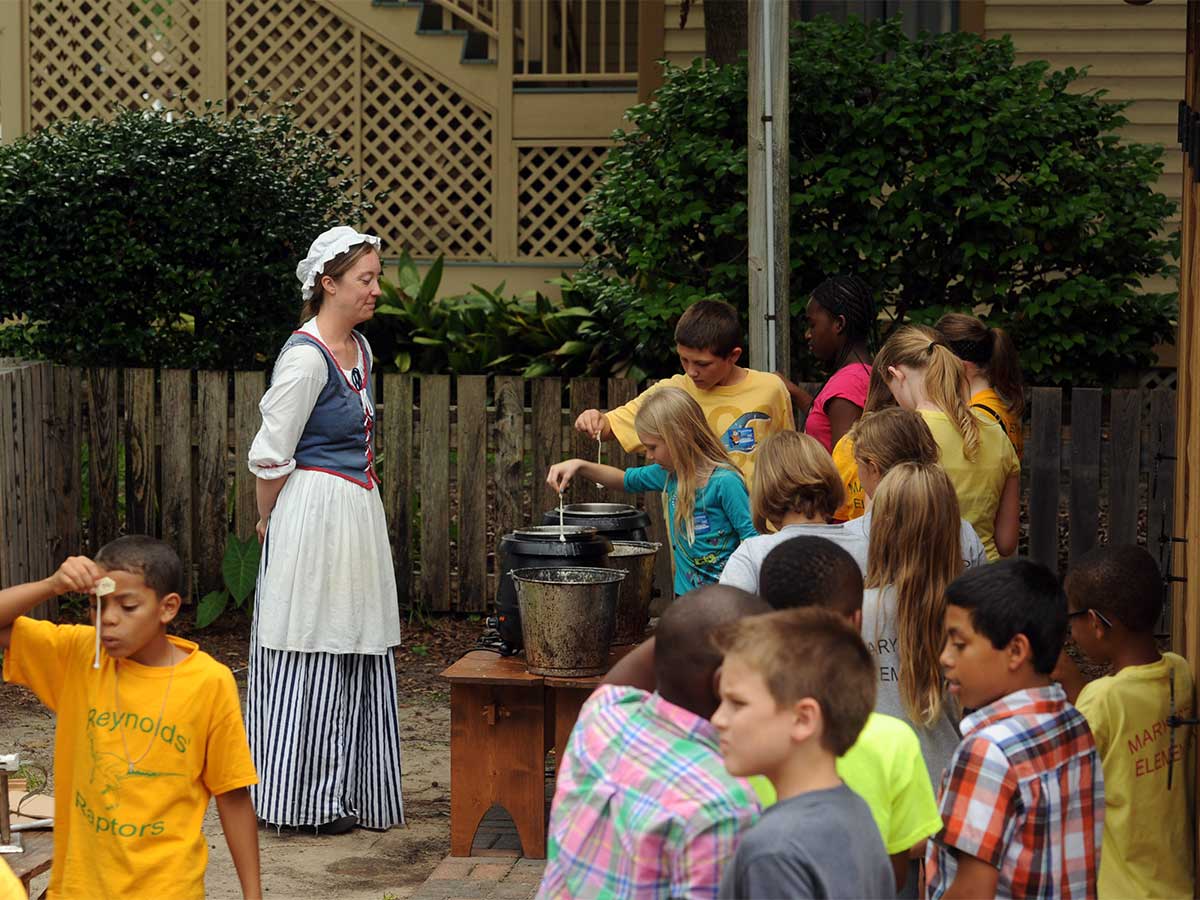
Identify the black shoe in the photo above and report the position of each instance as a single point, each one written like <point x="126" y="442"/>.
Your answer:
<point x="338" y="826"/>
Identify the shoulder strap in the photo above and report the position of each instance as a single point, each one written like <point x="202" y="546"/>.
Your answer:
<point x="991" y="412"/>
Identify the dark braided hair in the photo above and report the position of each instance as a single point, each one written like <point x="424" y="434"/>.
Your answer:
<point x="851" y="298"/>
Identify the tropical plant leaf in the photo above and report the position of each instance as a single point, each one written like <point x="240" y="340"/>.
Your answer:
<point x="210" y="607"/>
<point x="240" y="566"/>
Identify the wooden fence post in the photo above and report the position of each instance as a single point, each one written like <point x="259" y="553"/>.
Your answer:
<point x="472" y="483"/>
<point x="212" y="507"/>
<point x="435" y="492"/>
<point x="547" y="434"/>
<point x="510" y="457"/>
<point x="1084" y="509"/>
<point x="141" y="436"/>
<point x="248" y="388"/>
<point x="104" y="435"/>
<point x="395" y="465"/>
<point x="1124" y="472"/>
<point x="584" y="394"/>
<point x="176" y="435"/>
<point x="1046" y="453"/>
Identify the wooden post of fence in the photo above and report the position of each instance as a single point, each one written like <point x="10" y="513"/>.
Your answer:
<point x="141" y="483"/>
<point x="585" y="394"/>
<point x="1160" y="514"/>
<point x="1046" y="453"/>
<point x="1124" y="474"/>
<point x="12" y="531"/>
<point x="472" y="493"/>
<point x="40" y="498"/>
<point x="248" y="388"/>
<point x="510" y="456"/>
<point x="547" y="436"/>
<point x="435" y="492"/>
<point x="212" y="414"/>
<point x="65" y="442"/>
<point x="395" y="465"/>
<point x="176" y="483"/>
<point x="104" y="434"/>
<point x="620" y="392"/>
<point x="1084" y="508"/>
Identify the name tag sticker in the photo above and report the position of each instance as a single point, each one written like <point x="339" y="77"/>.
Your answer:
<point x="701" y="523"/>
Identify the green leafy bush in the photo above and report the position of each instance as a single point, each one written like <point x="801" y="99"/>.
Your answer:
<point x="164" y="238"/>
<point x="937" y="169"/>
<point x="239" y="568"/>
<point x="479" y="332"/>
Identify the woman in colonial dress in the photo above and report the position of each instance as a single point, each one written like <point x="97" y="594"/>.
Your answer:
<point x="321" y="700"/>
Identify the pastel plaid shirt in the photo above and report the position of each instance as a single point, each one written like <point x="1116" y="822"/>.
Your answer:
<point x="643" y="806"/>
<point x="1023" y="792"/>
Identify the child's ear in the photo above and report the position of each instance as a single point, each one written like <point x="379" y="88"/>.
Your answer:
<point x="856" y="619"/>
<point x="717" y="682"/>
<point x="168" y="608"/>
<point x="806" y="719"/>
<point x="1019" y="652"/>
<point x="839" y="325"/>
<point x="893" y="373"/>
<point x="734" y="355"/>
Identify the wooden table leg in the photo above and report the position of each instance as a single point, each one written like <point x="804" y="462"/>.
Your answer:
<point x="497" y="756"/>
<point x="567" y="703"/>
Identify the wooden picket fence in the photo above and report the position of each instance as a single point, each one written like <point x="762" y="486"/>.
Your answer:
<point x="86" y="455"/>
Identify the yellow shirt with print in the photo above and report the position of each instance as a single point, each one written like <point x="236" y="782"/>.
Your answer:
<point x="886" y="769"/>
<point x="10" y="885"/>
<point x="856" y="497"/>
<point x="128" y="813"/>
<point x="1148" y="836"/>
<point x="1013" y="426"/>
<point x="978" y="482"/>
<point x="741" y="415"/>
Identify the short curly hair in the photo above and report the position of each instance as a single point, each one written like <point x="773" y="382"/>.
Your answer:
<point x="1121" y="581"/>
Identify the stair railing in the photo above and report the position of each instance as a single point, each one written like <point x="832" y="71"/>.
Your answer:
<point x="575" y="41"/>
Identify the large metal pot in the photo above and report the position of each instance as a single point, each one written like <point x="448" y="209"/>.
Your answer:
<point x="616" y="521"/>
<point x="637" y="590"/>
<point x="538" y="546"/>
<point x="568" y="617"/>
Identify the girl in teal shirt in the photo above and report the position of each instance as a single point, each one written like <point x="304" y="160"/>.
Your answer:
<point x="708" y="506"/>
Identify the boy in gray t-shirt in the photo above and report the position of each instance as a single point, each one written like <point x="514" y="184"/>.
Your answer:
<point x="796" y="689"/>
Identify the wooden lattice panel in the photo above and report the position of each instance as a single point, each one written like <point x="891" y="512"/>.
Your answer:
<point x="431" y="149"/>
<point x="554" y="183"/>
<point x="87" y="56"/>
<point x="299" y="52"/>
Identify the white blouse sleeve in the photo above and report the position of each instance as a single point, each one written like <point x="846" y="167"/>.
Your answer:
<point x="299" y="376"/>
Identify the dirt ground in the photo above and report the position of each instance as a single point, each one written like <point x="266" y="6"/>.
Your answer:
<point x="361" y="865"/>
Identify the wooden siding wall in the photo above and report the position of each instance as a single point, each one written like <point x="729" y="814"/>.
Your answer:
<point x="682" y="45"/>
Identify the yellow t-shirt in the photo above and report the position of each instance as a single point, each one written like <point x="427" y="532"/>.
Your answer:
<point x="885" y="767"/>
<point x="741" y="415"/>
<point x="856" y="497"/>
<point x="978" y="482"/>
<point x="10" y="885"/>
<point x="122" y="828"/>
<point x="1012" y="425"/>
<point x="1147" y="850"/>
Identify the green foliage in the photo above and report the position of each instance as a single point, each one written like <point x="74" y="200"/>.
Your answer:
<point x="479" y="332"/>
<point x="164" y="238"/>
<point x="937" y="169"/>
<point x="239" y="567"/>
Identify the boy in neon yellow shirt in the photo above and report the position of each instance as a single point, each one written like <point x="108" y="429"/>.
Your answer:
<point x="884" y="766"/>
<point x="149" y="728"/>
<point x="742" y="406"/>
<point x="1114" y="596"/>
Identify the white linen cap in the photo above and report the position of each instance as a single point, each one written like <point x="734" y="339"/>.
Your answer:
<point x="331" y="243"/>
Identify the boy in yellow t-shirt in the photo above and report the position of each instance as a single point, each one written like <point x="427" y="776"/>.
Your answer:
<point x="149" y="727"/>
<point x="742" y="406"/>
<point x="1115" y="595"/>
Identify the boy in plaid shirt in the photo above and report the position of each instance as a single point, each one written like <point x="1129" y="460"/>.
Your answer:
<point x="1023" y="796"/>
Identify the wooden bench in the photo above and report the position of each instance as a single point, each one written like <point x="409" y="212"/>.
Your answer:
<point x="36" y="858"/>
<point x="502" y="722"/>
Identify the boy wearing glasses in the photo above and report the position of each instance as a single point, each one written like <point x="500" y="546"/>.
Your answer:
<point x="1115" y="595"/>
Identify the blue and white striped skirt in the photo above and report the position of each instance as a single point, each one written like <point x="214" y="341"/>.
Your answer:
<point x="325" y="737"/>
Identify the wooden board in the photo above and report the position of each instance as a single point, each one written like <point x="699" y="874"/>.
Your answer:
<point x="1124" y="473"/>
<point x="65" y="469"/>
<point x="176" y="484"/>
<point x="248" y="388"/>
<point x="1045" y="450"/>
<point x="212" y="477"/>
<point x="547" y="434"/>
<point x="620" y="392"/>
<point x="510" y="454"/>
<point x="12" y="563"/>
<point x="585" y="394"/>
<point x="1084" y="505"/>
<point x="434" y="590"/>
<point x="395" y="464"/>
<point x="472" y="493"/>
<point x="1160" y="514"/>
<point x="104" y="436"/>
<point x="141" y="451"/>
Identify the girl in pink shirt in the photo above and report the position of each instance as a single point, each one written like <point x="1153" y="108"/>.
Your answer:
<point x="840" y="314"/>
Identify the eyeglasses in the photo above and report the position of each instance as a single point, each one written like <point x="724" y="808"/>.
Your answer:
<point x="1099" y="615"/>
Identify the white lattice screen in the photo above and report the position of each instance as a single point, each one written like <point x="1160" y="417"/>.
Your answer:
<point x="432" y="149"/>
<point x="553" y="184"/>
<point x="86" y="56"/>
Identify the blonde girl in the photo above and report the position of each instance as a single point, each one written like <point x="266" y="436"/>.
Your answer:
<point x="925" y="376"/>
<point x="708" y="507"/>
<point x="914" y="554"/>
<point x="993" y="369"/>
<point x="883" y="440"/>
<point x="796" y="491"/>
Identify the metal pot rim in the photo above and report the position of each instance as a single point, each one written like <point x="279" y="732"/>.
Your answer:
<point x="597" y="575"/>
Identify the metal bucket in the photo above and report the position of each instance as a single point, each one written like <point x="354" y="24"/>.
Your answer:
<point x="568" y="617"/>
<point x="637" y="590"/>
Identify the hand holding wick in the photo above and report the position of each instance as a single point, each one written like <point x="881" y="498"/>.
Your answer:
<point x="560" y="474"/>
